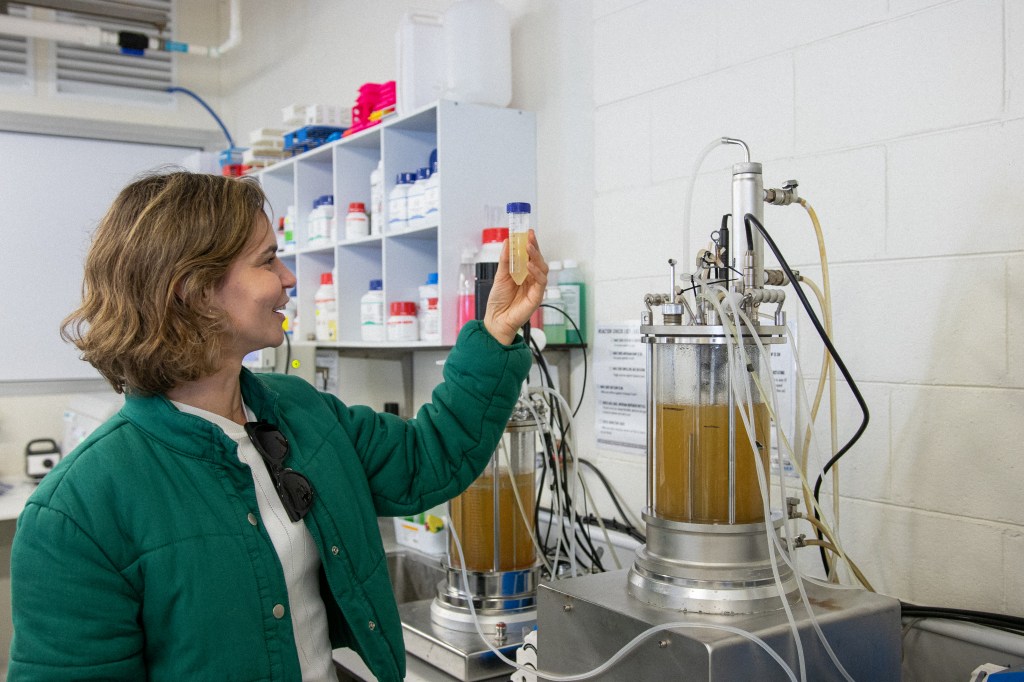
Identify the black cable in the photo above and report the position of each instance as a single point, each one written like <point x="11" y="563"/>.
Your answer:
<point x="288" y="353"/>
<point x="583" y="388"/>
<point x="747" y="220"/>
<point x="563" y="452"/>
<point x="608" y="487"/>
<point x="995" y="620"/>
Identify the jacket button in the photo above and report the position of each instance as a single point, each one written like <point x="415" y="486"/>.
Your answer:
<point x="278" y="611"/>
<point x="372" y="625"/>
<point x="252" y="519"/>
<point x="334" y="550"/>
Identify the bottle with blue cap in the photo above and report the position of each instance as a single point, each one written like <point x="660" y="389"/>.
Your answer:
<point x="518" y="236"/>
<point x="372" y="325"/>
<point x="398" y="206"/>
<point x="429" y="310"/>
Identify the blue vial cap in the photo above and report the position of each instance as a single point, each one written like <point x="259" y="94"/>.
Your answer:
<point x="423" y="174"/>
<point x="432" y="278"/>
<point x="518" y="207"/>
<point x="376" y="285"/>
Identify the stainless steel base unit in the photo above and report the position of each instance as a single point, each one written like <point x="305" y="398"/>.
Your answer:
<point x="459" y="654"/>
<point x="584" y="621"/>
<point x="733" y="574"/>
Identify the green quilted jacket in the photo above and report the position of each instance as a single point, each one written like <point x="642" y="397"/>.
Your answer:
<point x="141" y="556"/>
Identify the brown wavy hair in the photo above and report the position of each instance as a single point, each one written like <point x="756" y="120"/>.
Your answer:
<point x="147" y="321"/>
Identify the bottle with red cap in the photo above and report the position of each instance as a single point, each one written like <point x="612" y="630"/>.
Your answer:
<point x="325" y="303"/>
<point x="487" y="265"/>
<point x="357" y="223"/>
<point x="402" y="324"/>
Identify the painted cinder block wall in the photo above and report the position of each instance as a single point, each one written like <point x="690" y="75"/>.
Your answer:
<point x="904" y="123"/>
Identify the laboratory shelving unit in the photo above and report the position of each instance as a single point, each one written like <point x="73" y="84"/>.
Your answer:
<point x="486" y="158"/>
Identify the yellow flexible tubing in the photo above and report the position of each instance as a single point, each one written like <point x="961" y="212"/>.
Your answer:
<point x="827" y="311"/>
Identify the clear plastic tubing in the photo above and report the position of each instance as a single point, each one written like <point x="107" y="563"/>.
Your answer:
<point x="518" y="235"/>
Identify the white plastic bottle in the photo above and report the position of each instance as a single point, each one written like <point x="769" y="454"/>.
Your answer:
<point x="402" y="324"/>
<point x="478" y="52"/>
<point x="429" y="312"/>
<point x="377" y="199"/>
<point x="416" y="198"/>
<point x="328" y="225"/>
<point x="372" y="325"/>
<point x="357" y="223"/>
<point x="289" y="229"/>
<point x="430" y="321"/>
<point x="554" y="272"/>
<point x="574" y="296"/>
<point x="291" y="313"/>
<point x="432" y="199"/>
<point x="326" y="309"/>
<point x="314" y="224"/>
<point x="398" y="206"/>
<point x="554" y="321"/>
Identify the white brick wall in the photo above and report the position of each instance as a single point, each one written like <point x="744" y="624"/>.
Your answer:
<point x="903" y="120"/>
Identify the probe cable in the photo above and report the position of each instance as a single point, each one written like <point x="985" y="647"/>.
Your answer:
<point x="747" y="220"/>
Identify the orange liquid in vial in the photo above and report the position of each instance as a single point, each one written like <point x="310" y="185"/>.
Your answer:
<point x="517" y="257"/>
<point x="473" y="519"/>
<point x="692" y="480"/>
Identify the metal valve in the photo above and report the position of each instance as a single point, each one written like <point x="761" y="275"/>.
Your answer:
<point x="782" y="197"/>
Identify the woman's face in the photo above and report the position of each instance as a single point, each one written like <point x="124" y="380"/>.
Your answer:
<point x="253" y="294"/>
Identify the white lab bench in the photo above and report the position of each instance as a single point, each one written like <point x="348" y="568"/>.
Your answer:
<point x="13" y="499"/>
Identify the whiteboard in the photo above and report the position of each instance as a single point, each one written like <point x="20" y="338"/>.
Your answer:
<point x="53" y="193"/>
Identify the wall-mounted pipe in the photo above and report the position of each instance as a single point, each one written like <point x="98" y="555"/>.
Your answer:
<point x="92" y="36"/>
<point x="128" y="41"/>
<point x="234" y="38"/>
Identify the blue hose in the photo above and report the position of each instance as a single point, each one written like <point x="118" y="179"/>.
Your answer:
<point x="231" y="143"/>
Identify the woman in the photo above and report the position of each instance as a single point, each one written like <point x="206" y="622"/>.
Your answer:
<point x="223" y="526"/>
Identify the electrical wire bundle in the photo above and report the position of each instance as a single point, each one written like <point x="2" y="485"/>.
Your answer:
<point x="567" y="545"/>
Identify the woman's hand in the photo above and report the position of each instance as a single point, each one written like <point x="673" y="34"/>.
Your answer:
<point x="510" y="305"/>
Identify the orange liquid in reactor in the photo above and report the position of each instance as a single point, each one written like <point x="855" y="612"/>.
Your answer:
<point x="691" y="466"/>
<point x="473" y="519"/>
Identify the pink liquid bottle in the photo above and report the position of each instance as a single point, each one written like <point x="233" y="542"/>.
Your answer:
<point x="466" y="309"/>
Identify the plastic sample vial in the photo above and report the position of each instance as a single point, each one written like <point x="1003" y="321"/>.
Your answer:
<point x="326" y="309"/>
<point x="372" y="325"/>
<point x="518" y="235"/>
<point x="357" y="223"/>
<point x="402" y="324"/>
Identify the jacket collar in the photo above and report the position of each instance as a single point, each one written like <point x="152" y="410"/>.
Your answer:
<point x="191" y="435"/>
